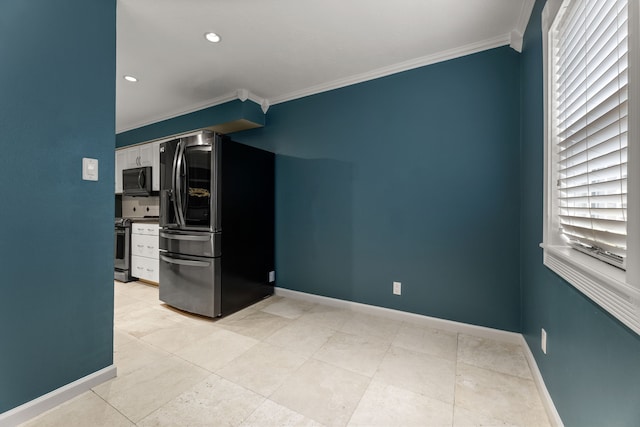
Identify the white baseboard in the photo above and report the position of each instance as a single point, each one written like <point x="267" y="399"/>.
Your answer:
<point x="35" y="407"/>
<point x="547" y="402"/>
<point x="447" y="325"/>
<point x="403" y="316"/>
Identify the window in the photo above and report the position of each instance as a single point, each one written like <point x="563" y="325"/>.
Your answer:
<point x="592" y="155"/>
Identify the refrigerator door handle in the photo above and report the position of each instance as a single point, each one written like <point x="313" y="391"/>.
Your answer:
<point x="185" y="262"/>
<point x="190" y="237"/>
<point x="177" y="183"/>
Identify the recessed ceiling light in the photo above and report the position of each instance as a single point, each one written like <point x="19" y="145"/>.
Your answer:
<point x="212" y="37"/>
<point x="130" y="79"/>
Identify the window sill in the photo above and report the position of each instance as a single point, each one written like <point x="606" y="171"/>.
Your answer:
<point x="604" y="284"/>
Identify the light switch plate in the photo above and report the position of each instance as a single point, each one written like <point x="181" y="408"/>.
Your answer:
<point x="397" y="288"/>
<point x="89" y="169"/>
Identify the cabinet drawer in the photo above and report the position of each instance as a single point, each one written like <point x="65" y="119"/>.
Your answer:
<point x="145" y="268"/>
<point x="143" y="245"/>
<point x="144" y="228"/>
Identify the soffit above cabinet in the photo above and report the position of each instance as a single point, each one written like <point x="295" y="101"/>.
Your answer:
<point x="232" y="116"/>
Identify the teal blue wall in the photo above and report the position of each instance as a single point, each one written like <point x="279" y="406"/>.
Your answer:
<point x="57" y="103"/>
<point x="216" y="115"/>
<point x="412" y="178"/>
<point x="592" y="368"/>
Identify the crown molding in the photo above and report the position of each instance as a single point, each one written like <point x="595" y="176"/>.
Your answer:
<point x="396" y="68"/>
<point x="240" y="94"/>
<point x="517" y="35"/>
<point x="513" y="39"/>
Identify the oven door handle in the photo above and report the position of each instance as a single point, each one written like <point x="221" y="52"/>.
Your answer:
<point x="191" y="238"/>
<point x="185" y="262"/>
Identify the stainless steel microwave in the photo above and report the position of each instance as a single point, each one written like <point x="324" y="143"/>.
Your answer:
<point x="137" y="181"/>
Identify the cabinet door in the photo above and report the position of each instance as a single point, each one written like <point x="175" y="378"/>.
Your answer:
<point x="145" y="155"/>
<point x="149" y="228"/>
<point x="121" y="162"/>
<point x="144" y="245"/>
<point x="137" y="244"/>
<point x="145" y="268"/>
<point x="133" y="157"/>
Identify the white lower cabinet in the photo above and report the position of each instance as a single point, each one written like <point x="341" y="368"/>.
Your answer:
<point x="145" y="268"/>
<point x="144" y="251"/>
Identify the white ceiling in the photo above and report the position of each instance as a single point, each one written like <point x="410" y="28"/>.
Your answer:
<point x="277" y="50"/>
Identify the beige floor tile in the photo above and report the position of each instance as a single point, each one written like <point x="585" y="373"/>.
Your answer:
<point x="360" y="354"/>
<point x="86" y="409"/>
<point x="121" y="301"/>
<point x="487" y="396"/>
<point x="146" y="389"/>
<point x="129" y="310"/>
<point x="144" y="320"/>
<point x="256" y="324"/>
<point x="213" y="402"/>
<point x="463" y="417"/>
<point x="327" y="316"/>
<point x="120" y="338"/>
<point x="262" y="368"/>
<point x="303" y="338"/>
<point x="217" y="349"/>
<point x="136" y="354"/>
<point x="186" y="318"/>
<point x="240" y="314"/>
<point x="386" y="405"/>
<point x="313" y="362"/>
<point x="427" y="340"/>
<point x="489" y="354"/>
<point x="266" y="301"/>
<point x="143" y="291"/>
<point x="289" y="308"/>
<point x="371" y="326"/>
<point x="270" y="414"/>
<point x="176" y="338"/>
<point x="421" y="373"/>
<point x="322" y="392"/>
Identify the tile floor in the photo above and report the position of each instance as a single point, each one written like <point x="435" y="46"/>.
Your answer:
<point x="284" y="362"/>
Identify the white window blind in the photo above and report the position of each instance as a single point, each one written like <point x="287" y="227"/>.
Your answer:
<point x="590" y="126"/>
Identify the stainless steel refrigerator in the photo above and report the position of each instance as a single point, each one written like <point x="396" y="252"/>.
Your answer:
<point x="216" y="224"/>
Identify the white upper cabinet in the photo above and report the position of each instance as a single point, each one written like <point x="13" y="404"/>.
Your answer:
<point x="121" y="162"/>
<point x="136" y="157"/>
<point x="145" y="155"/>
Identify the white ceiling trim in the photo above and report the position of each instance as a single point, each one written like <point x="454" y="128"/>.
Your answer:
<point x="397" y="68"/>
<point x="517" y="35"/>
<point x="244" y="94"/>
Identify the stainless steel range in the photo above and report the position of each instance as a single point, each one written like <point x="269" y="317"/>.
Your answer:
<point x="122" y="250"/>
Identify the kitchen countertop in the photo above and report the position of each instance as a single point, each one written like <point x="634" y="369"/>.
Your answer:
<point x="147" y="220"/>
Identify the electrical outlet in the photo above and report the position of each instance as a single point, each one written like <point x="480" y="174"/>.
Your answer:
<point x="272" y="276"/>
<point x="397" y="288"/>
<point x="543" y="341"/>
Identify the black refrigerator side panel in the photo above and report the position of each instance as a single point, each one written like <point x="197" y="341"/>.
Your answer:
<point x="247" y="220"/>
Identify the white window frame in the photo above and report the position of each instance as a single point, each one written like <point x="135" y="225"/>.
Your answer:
<point x="614" y="289"/>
